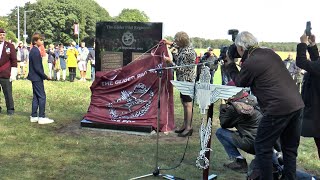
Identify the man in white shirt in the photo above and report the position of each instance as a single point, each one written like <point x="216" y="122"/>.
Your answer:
<point x="82" y="61"/>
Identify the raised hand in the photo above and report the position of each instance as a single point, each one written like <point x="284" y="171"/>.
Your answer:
<point x="304" y="38"/>
<point x="312" y="40"/>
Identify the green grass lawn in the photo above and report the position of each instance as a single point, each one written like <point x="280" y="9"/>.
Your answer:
<point x="63" y="150"/>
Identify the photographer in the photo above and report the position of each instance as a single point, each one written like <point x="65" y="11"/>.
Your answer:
<point x="311" y="88"/>
<point x="279" y="99"/>
<point x="241" y="113"/>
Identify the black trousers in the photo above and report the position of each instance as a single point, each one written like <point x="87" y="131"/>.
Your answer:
<point x="288" y="128"/>
<point x="72" y="73"/>
<point x="39" y="99"/>
<point x="7" y="92"/>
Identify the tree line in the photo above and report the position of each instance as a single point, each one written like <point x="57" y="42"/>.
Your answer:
<point x="203" y="43"/>
<point x="56" y="19"/>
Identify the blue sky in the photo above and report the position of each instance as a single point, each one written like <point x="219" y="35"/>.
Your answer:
<point x="268" y="20"/>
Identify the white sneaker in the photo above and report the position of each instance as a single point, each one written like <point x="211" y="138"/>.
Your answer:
<point x="34" y="119"/>
<point x="45" y="120"/>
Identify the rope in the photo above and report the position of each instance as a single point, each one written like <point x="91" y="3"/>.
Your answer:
<point x="202" y="161"/>
<point x="157" y="45"/>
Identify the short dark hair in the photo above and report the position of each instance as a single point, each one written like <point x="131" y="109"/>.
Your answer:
<point x="36" y="37"/>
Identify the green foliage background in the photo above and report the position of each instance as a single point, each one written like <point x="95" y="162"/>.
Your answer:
<point x="56" y="19"/>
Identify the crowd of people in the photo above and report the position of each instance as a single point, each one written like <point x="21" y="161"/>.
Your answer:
<point x="27" y="63"/>
<point x="60" y="58"/>
<point x="270" y="121"/>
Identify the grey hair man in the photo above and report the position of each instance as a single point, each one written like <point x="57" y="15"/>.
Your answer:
<point x="279" y="99"/>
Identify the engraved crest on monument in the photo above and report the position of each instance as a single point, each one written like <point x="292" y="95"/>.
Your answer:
<point x="119" y="43"/>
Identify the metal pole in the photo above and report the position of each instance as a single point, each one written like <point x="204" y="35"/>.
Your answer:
<point x="18" y="35"/>
<point x="205" y="172"/>
<point x="25" y="27"/>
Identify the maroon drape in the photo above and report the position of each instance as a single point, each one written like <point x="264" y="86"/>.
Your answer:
<point x="129" y="95"/>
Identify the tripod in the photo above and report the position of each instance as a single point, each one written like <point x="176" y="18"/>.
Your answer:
<point x="156" y="171"/>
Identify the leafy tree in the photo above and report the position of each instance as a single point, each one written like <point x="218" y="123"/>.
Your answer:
<point x="9" y="33"/>
<point x="4" y="23"/>
<point x="170" y="38"/>
<point x="132" y="15"/>
<point x="56" y="19"/>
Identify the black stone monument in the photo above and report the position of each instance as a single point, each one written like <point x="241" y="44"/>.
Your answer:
<point x="119" y="43"/>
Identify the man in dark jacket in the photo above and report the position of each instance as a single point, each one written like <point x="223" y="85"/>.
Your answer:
<point x="8" y="70"/>
<point x="36" y="76"/>
<point x="278" y="97"/>
<point x="242" y="114"/>
<point x="290" y="64"/>
<point x="294" y="70"/>
<point x="213" y="64"/>
<point x="311" y="88"/>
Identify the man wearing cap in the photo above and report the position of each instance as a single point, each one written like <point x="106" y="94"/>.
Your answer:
<point x="8" y="70"/>
<point x="243" y="114"/>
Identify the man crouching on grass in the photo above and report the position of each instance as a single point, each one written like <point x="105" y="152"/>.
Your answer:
<point x="241" y="113"/>
<point x="36" y="76"/>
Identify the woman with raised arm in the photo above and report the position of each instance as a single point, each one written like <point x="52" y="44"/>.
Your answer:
<point x="310" y="88"/>
<point x="185" y="55"/>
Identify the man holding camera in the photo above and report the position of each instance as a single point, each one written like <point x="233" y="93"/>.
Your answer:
<point x="241" y="113"/>
<point x="279" y="99"/>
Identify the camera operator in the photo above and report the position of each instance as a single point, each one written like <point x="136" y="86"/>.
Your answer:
<point x="240" y="113"/>
<point x="211" y="58"/>
<point x="310" y="88"/>
<point x="279" y="99"/>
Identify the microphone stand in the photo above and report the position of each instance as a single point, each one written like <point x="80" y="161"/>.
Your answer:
<point x="156" y="171"/>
